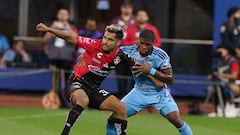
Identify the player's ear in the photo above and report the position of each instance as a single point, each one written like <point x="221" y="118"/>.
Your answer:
<point x="119" y="42"/>
<point x="138" y="41"/>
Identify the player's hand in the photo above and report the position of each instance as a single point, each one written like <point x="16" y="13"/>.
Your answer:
<point x="42" y="27"/>
<point x="80" y="61"/>
<point x="141" y="68"/>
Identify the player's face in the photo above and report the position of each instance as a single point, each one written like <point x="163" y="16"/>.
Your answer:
<point x="145" y="46"/>
<point x="110" y="42"/>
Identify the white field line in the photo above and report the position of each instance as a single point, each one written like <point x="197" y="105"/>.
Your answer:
<point x="32" y="116"/>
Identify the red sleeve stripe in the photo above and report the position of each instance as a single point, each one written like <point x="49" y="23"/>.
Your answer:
<point x="75" y="111"/>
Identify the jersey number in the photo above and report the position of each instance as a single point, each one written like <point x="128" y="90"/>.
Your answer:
<point x="103" y="92"/>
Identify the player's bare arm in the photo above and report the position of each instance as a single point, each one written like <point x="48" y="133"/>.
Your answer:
<point x="158" y="83"/>
<point x="165" y="76"/>
<point x="71" y="38"/>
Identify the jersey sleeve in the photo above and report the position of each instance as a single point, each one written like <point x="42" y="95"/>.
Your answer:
<point x="124" y="49"/>
<point x="87" y="43"/>
<point x="163" y="60"/>
<point x="165" y="64"/>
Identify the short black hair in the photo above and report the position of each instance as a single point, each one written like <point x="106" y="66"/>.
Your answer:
<point x="92" y="18"/>
<point x="147" y="34"/>
<point x="232" y="11"/>
<point x="229" y="49"/>
<point x="144" y="10"/>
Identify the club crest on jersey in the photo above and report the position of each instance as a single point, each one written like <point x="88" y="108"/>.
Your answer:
<point x="117" y="60"/>
<point x="99" y="55"/>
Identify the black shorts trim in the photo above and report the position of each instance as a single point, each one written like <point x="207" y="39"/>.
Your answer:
<point x="96" y="95"/>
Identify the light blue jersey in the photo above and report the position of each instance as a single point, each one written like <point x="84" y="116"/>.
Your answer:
<point x="158" y="60"/>
<point x="145" y="93"/>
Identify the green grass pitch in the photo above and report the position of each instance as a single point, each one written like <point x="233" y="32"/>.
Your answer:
<point x="26" y="121"/>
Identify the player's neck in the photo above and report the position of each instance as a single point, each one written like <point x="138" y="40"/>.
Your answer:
<point x="109" y="52"/>
<point x="145" y="54"/>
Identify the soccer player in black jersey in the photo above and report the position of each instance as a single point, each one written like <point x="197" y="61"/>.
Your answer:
<point x="93" y="66"/>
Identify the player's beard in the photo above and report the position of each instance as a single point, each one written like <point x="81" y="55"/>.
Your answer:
<point x="145" y="52"/>
<point x="107" y="49"/>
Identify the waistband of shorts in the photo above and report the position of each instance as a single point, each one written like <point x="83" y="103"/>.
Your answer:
<point x="82" y="80"/>
<point x="150" y="89"/>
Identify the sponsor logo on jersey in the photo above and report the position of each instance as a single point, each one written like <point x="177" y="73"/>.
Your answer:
<point x="106" y="65"/>
<point x="96" y="70"/>
<point x="117" y="60"/>
<point x="96" y="60"/>
<point x="86" y="40"/>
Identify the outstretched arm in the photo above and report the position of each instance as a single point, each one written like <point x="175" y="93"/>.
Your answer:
<point x="69" y="37"/>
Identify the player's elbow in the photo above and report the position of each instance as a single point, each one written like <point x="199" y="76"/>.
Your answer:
<point x="171" y="80"/>
<point x="72" y="39"/>
<point x="160" y="85"/>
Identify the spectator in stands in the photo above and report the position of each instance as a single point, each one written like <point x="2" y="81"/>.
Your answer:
<point x="90" y="30"/>
<point x="61" y="54"/>
<point x="18" y="55"/>
<point x="142" y="23"/>
<point x="126" y="17"/>
<point x="225" y="75"/>
<point x="4" y="46"/>
<point x="123" y="72"/>
<point x="230" y="30"/>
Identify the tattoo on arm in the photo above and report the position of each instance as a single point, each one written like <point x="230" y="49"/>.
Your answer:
<point x="165" y="76"/>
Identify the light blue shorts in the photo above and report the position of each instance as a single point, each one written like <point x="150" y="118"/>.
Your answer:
<point x="137" y="100"/>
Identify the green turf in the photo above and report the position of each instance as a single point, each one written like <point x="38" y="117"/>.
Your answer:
<point x="25" y="121"/>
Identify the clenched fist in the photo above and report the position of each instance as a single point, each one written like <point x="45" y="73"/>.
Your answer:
<point x="42" y="27"/>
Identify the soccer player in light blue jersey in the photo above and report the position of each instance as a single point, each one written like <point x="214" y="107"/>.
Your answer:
<point x="151" y="75"/>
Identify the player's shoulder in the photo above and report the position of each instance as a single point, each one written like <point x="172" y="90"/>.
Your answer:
<point x="159" y="53"/>
<point x="87" y="40"/>
<point x="130" y="48"/>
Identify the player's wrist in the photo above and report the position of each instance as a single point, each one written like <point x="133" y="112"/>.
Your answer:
<point x="49" y="29"/>
<point x="153" y="71"/>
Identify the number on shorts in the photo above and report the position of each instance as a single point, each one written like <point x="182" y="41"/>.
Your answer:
<point x="103" y="92"/>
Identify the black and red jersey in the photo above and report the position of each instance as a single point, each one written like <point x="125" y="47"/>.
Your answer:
<point x="97" y="64"/>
